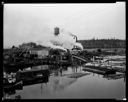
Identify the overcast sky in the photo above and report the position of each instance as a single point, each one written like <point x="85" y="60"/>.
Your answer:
<point x="33" y="22"/>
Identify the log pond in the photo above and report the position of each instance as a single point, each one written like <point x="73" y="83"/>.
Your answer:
<point x="72" y="82"/>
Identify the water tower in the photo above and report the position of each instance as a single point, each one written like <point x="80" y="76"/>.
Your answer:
<point x="56" y="31"/>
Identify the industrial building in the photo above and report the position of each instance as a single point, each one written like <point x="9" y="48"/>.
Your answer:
<point x="40" y="52"/>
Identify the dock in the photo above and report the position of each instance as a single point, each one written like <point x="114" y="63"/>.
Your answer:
<point x="33" y="74"/>
<point x="26" y="77"/>
<point x="121" y="70"/>
<point x="35" y="62"/>
<point x="12" y="87"/>
<point x="24" y="64"/>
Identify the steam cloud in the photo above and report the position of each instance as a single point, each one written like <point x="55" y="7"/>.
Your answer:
<point x="63" y="41"/>
<point x="24" y="24"/>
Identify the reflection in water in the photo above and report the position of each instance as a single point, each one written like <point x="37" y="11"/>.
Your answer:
<point x="71" y="82"/>
<point x="60" y="83"/>
<point x="37" y="81"/>
<point x="18" y="97"/>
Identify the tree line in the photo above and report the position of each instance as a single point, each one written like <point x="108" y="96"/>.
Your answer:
<point x="103" y="43"/>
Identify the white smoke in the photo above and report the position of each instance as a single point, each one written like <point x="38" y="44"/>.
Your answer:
<point x="79" y="45"/>
<point x="59" y="47"/>
<point x="62" y="41"/>
<point x="51" y="45"/>
<point x="65" y="40"/>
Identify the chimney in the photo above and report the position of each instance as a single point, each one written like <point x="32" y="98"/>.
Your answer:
<point x="56" y="31"/>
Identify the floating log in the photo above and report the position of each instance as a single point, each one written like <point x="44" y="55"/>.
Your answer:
<point x="77" y="75"/>
<point x="100" y="70"/>
<point x="94" y="71"/>
<point x="115" y="76"/>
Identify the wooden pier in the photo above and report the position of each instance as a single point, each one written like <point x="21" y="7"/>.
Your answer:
<point x="21" y="65"/>
<point x="12" y="87"/>
<point x="27" y="77"/>
<point x="32" y="74"/>
<point x="121" y="70"/>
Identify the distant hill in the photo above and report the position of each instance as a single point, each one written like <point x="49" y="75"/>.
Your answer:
<point x="103" y="43"/>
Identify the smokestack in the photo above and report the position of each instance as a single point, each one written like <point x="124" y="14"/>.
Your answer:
<point x="56" y="31"/>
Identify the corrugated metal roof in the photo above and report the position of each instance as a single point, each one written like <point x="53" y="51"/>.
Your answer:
<point x="37" y="49"/>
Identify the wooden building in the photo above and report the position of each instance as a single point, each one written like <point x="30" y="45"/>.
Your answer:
<point x="40" y="52"/>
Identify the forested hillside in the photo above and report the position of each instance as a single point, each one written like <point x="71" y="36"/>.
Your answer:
<point x="103" y="43"/>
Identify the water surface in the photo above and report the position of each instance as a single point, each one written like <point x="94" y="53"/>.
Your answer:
<point x="60" y="85"/>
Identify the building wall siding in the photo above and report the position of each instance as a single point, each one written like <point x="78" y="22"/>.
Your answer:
<point x="40" y="53"/>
